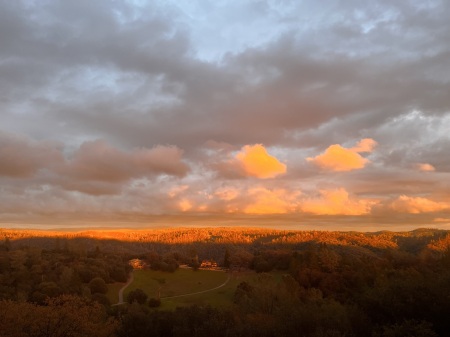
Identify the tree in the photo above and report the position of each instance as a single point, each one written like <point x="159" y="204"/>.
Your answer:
<point x="137" y="295"/>
<point x="154" y="302"/>
<point x="195" y="265"/>
<point x="7" y="244"/>
<point x="101" y="298"/>
<point x="98" y="286"/>
<point x="226" y="259"/>
<point x="241" y="259"/>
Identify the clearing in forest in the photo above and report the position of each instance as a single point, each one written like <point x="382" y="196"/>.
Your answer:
<point x="202" y="287"/>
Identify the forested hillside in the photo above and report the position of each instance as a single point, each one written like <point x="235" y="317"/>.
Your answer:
<point x="331" y="283"/>
<point x="142" y="240"/>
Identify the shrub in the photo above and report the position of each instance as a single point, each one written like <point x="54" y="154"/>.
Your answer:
<point x="154" y="302"/>
<point x="137" y="295"/>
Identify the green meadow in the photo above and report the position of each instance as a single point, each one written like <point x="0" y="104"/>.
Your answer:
<point x="184" y="287"/>
<point x="181" y="282"/>
<point x="221" y="297"/>
<point x="113" y="292"/>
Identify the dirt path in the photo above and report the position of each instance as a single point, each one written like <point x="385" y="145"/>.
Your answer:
<point x="201" y="292"/>
<point x="124" y="287"/>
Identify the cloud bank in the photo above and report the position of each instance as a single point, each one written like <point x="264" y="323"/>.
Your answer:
<point x="132" y="111"/>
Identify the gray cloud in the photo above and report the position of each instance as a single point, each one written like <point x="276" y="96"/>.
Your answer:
<point x="99" y="161"/>
<point x="22" y="157"/>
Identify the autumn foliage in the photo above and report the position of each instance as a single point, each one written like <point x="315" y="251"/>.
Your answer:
<point x="305" y="283"/>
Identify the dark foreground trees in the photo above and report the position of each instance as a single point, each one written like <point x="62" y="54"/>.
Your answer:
<point x="64" y="316"/>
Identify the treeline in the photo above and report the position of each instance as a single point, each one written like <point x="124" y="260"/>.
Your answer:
<point x="211" y="242"/>
<point x="233" y="235"/>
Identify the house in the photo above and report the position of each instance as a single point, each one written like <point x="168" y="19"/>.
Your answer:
<point x="208" y="264"/>
<point x="137" y="263"/>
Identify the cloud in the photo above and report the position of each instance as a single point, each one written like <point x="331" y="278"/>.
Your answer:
<point x="425" y="167"/>
<point x="271" y="201"/>
<point x="99" y="161"/>
<point x="338" y="158"/>
<point x="256" y="162"/>
<point x="446" y="220"/>
<point x="160" y="160"/>
<point x="22" y="157"/>
<point x="177" y="190"/>
<point x="185" y="205"/>
<point x="416" y="205"/>
<point x="237" y="198"/>
<point x="364" y="145"/>
<point x="337" y="202"/>
<point x="227" y="193"/>
<point x="145" y="57"/>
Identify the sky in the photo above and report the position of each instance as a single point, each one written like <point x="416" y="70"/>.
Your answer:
<point x="289" y="114"/>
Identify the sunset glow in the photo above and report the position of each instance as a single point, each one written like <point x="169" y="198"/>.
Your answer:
<point x="425" y="167"/>
<point x="270" y="201"/>
<point x="337" y="202"/>
<point x="416" y="205"/>
<point x="147" y="114"/>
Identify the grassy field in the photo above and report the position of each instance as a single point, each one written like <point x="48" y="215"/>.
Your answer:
<point x="221" y="297"/>
<point x="113" y="292"/>
<point x="183" y="282"/>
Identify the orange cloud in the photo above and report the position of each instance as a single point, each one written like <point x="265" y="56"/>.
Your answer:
<point x="256" y="162"/>
<point x="446" y="220"/>
<point x="185" y="205"/>
<point x="337" y="202"/>
<point x="424" y="167"/>
<point x="416" y="205"/>
<point x="364" y="145"/>
<point x="266" y="201"/>
<point x="338" y="158"/>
